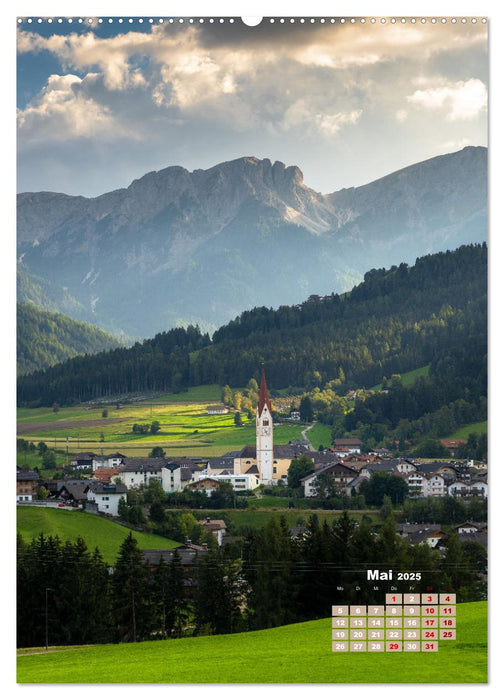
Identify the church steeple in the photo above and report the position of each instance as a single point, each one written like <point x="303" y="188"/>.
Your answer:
<point x="263" y="396"/>
<point x="264" y="433"/>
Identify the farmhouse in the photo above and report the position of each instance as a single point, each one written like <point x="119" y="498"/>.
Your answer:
<point x="26" y="486"/>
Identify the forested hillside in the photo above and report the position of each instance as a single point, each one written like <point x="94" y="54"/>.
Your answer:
<point x="45" y="338"/>
<point x="396" y="320"/>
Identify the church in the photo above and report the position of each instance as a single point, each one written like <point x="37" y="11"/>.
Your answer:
<point x="269" y="462"/>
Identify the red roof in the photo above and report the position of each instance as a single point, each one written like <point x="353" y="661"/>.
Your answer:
<point x="263" y="396"/>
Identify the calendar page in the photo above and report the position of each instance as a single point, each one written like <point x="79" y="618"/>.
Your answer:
<point x="252" y="349"/>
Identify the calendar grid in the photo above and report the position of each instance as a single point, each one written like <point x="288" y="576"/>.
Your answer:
<point x="409" y="622"/>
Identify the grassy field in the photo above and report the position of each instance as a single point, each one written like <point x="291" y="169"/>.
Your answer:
<point x="94" y="530"/>
<point x="186" y="429"/>
<point x="408" y="378"/>
<point x="320" y="434"/>
<point x="463" y="433"/>
<point x="298" y="653"/>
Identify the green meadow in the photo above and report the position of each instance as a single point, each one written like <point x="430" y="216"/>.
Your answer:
<point x="408" y="378"/>
<point x="94" y="530"/>
<point x="464" y="432"/>
<point x="299" y="653"/>
<point x="185" y="429"/>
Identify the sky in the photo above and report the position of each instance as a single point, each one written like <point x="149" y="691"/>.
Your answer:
<point x="100" y="104"/>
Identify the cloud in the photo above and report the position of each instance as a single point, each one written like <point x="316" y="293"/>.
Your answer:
<point x="462" y="100"/>
<point x="302" y="113"/>
<point x="62" y="110"/>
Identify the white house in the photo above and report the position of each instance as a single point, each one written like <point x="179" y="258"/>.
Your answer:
<point x="107" y="461"/>
<point x="107" y="497"/>
<point x="464" y="489"/>
<point x="434" y="486"/>
<point x="239" y="482"/>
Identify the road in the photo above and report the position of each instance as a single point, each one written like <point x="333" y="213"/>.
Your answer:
<point x="303" y="433"/>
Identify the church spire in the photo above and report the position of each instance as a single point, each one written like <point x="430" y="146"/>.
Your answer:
<point x="263" y="396"/>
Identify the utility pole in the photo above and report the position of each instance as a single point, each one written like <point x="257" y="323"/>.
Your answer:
<point x="46" y="619"/>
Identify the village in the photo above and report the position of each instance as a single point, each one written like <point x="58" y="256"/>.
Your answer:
<point x="343" y="469"/>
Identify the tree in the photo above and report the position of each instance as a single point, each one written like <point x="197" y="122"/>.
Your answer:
<point x="169" y="593"/>
<point x="237" y="400"/>
<point x="42" y="493"/>
<point x="219" y="593"/>
<point x="104" y="413"/>
<point x="324" y="487"/>
<point x="42" y="448"/>
<point x="132" y="608"/>
<point x="227" y="395"/>
<point x="238" y="419"/>
<point x="55" y="407"/>
<point x="386" y="509"/>
<point x="157" y="451"/>
<point x="155" y="427"/>
<point x="49" y="460"/>
<point x="157" y="512"/>
<point x="306" y="410"/>
<point x="298" y="469"/>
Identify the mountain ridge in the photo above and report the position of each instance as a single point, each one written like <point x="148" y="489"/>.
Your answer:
<point x="198" y="247"/>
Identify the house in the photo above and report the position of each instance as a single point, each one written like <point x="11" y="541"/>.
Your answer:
<point x="218" y="528"/>
<point x="217" y="410"/>
<point x="430" y="534"/>
<point x="480" y="538"/>
<point x="189" y="554"/>
<point x="107" y="497"/>
<point x="340" y="474"/>
<point x="434" y="485"/>
<point x="445" y="469"/>
<point x="452" y="446"/>
<point x="207" y="484"/>
<point x="239" y="482"/>
<point x="468" y="489"/>
<point x="295" y="415"/>
<point x="469" y="528"/>
<point x="110" y="461"/>
<point x="83" y="460"/>
<point x="217" y="465"/>
<point x="344" y="446"/>
<point x="172" y="474"/>
<point x="105" y="474"/>
<point x="26" y="485"/>
<point x="74" y="491"/>
<point x="388" y="466"/>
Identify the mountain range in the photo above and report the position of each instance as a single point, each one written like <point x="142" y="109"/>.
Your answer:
<point x="178" y="247"/>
